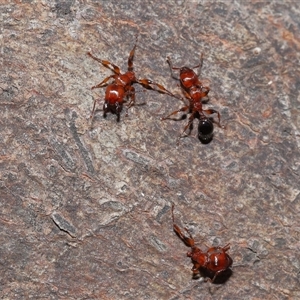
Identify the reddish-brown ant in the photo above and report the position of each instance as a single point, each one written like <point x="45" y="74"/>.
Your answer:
<point x="212" y="263"/>
<point x="121" y="86"/>
<point x="195" y="92"/>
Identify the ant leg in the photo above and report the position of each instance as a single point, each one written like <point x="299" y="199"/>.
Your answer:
<point x="215" y="276"/>
<point x="205" y="99"/>
<point x="177" y="68"/>
<point x="205" y="90"/>
<point x="93" y="111"/>
<point x="103" y="82"/>
<point x="146" y="83"/>
<point x="227" y="247"/>
<point x="188" y="241"/>
<point x="130" y="94"/>
<point x="172" y="68"/>
<point x="212" y="111"/>
<point x="106" y="109"/>
<point x="184" y="108"/>
<point x="188" y="125"/>
<point x="199" y="66"/>
<point x="185" y="94"/>
<point x="106" y="64"/>
<point x="118" y="116"/>
<point x="131" y="56"/>
<point x="195" y="269"/>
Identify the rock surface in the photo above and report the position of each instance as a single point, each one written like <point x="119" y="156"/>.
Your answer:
<point x="85" y="212"/>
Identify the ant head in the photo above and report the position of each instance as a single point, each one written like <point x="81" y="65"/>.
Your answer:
<point x="188" y="78"/>
<point x="205" y="130"/>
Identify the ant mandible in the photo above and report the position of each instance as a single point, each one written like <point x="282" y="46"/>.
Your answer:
<point x="195" y="92"/>
<point x="212" y="263"/>
<point x="121" y="86"/>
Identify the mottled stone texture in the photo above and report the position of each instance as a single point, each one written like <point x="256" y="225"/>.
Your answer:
<point x="85" y="212"/>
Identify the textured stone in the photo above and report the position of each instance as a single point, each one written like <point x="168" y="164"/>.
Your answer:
<point x="110" y="187"/>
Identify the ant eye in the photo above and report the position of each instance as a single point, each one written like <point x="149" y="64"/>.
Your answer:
<point x="205" y="129"/>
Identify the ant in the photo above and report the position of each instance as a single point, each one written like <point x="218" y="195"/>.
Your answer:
<point x="195" y="92"/>
<point x="121" y="86"/>
<point x="212" y="263"/>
